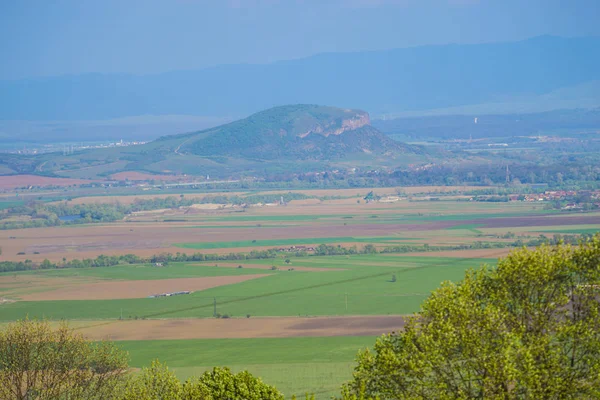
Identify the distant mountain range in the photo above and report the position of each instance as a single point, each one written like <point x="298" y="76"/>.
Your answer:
<point x="384" y="82"/>
<point x="293" y="138"/>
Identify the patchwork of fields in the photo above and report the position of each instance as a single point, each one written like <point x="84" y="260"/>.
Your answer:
<point x="296" y="320"/>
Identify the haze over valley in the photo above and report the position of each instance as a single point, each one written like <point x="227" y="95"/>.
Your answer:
<point x="299" y="199"/>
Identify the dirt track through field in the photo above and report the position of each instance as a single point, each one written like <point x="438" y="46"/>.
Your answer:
<point x="236" y="328"/>
<point x="136" y="289"/>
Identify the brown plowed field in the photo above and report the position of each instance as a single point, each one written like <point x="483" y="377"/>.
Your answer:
<point x="16" y="181"/>
<point x="19" y="286"/>
<point x="135" y="289"/>
<point x="517" y="222"/>
<point x="236" y="328"/>
<point x="478" y="253"/>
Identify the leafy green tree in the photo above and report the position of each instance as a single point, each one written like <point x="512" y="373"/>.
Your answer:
<point x="222" y="384"/>
<point x="158" y="383"/>
<point x="528" y="329"/>
<point x="39" y="362"/>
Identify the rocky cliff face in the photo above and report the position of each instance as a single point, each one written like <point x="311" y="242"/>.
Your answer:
<point x="357" y="121"/>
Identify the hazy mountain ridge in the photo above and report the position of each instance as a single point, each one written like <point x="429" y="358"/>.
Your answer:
<point x="419" y="78"/>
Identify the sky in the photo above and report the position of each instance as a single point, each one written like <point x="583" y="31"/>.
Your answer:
<point x="59" y="37"/>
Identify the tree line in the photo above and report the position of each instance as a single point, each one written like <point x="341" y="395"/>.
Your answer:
<point x="321" y="250"/>
<point x="64" y="213"/>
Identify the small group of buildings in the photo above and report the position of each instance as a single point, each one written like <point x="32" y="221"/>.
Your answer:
<point x="551" y="195"/>
<point x="154" y="296"/>
<point x="293" y="249"/>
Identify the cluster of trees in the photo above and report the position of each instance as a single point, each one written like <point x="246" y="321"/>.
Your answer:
<point x="109" y="261"/>
<point x="327" y="250"/>
<point x="561" y="174"/>
<point x="321" y="250"/>
<point x="528" y="329"/>
<point x="43" y="215"/>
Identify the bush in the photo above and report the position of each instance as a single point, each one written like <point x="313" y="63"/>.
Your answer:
<point x="43" y="363"/>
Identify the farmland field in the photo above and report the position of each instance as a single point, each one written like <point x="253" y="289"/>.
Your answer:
<point x="319" y="363"/>
<point x="288" y="313"/>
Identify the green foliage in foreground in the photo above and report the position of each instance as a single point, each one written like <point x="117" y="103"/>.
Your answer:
<point x="527" y="329"/>
<point x="41" y="363"/>
<point x="157" y="382"/>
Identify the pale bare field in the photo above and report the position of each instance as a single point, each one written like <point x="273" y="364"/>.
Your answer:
<point x="475" y="253"/>
<point x="16" y="181"/>
<point x="18" y="286"/>
<point x="130" y="199"/>
<point x="140" y="176"/>
<point x="383" y="191"/>
<point x="109" y="290"/>
<point x="234" y="328"/>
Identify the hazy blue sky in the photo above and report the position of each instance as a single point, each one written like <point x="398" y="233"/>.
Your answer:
<point x="54" y="37"/>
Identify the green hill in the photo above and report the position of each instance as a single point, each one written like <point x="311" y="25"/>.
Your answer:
<point x="302" y="132"/>
<point x="291" y="138"/>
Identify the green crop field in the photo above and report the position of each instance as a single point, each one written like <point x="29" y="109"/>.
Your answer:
<point x="317" y="364"/>
<point x="146" y="272"/>
<point x="356" y="285"/>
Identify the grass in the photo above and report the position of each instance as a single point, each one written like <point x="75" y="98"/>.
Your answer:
<point x="294" y="365"/>
<point x="146" y="272"/>
<point x="356" y="285"/>
<point x="289" y="242"/>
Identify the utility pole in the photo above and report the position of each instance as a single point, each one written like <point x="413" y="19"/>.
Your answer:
<point x="214" y="306"/>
